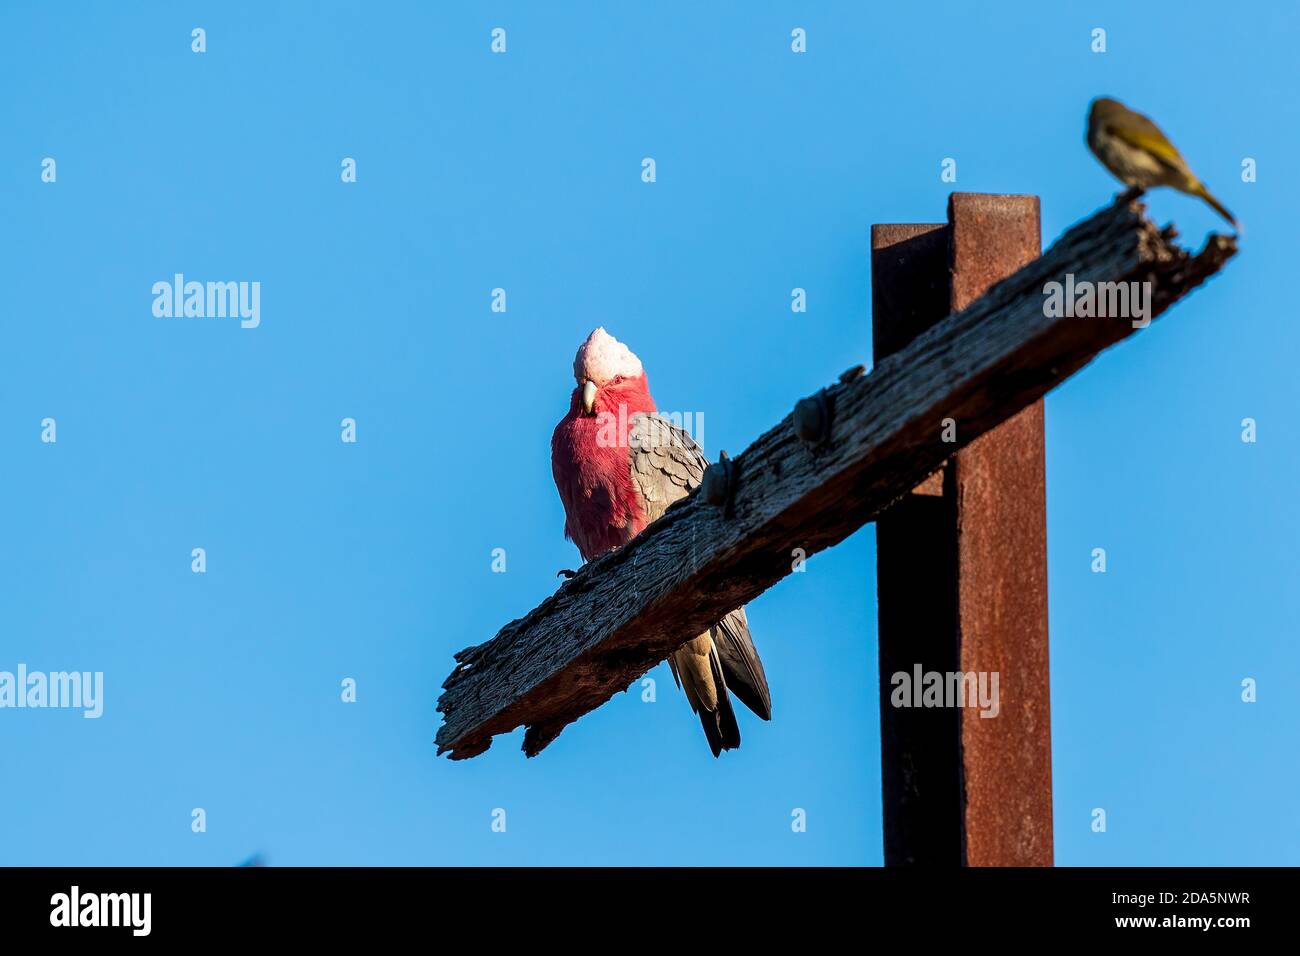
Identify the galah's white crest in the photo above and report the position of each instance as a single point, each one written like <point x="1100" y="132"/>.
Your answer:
<point x="618" y="465"/>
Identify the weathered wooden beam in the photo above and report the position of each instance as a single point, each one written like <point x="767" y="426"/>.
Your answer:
<point x="624" y="612"/>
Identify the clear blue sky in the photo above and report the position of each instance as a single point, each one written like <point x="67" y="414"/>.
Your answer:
<point x="373" y="561"/>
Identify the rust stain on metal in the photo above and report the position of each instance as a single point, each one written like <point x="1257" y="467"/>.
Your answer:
<point x="961" y="574"/>
<point x="1001" y="507"/>
<point x="932" y="485"/>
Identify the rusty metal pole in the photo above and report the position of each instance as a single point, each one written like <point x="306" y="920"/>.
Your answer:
<point x="962" y="575"/>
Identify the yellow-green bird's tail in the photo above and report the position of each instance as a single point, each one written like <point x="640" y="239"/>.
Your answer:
<point x="1218" y="207"/>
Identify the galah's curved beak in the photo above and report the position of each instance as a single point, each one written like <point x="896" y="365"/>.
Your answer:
<point x="589" y="397"/>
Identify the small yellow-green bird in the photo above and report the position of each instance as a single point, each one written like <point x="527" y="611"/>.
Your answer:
<point x="1140" y="155"/>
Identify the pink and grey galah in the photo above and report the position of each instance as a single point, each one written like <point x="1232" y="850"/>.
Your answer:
<point x="618" y="465"/>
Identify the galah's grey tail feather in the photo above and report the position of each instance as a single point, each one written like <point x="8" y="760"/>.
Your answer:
<point x="740" y="663"/>
<point x="720" y="724"/>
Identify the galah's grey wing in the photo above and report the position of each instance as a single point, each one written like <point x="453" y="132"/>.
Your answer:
<point x="666" y="462"/>
<point x="666" y="465"/>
